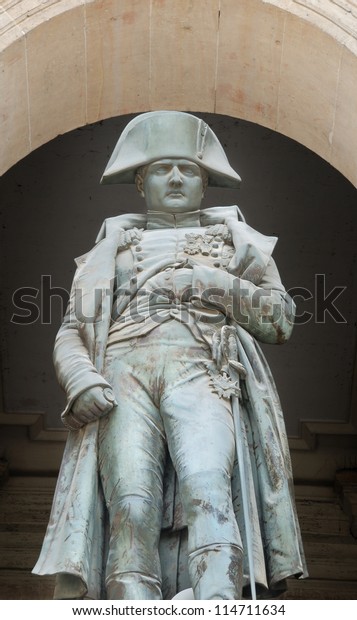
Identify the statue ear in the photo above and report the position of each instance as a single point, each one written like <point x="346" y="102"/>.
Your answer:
<point x="139" y="182"/>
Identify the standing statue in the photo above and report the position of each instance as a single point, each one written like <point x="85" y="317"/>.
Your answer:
<point x="165" y="382"/>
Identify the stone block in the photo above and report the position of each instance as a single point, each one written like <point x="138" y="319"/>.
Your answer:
<point x="249" y="53"/>
<point x="56" y="76"/>
<point x="308" y="85"/>
<point x="14" y="113"/>
<point x="118" y="58"/>
<point x="344" y="137"/>
<point x="183" y="45"/>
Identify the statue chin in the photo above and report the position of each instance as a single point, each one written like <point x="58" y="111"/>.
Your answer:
<point x="184" y="595"/>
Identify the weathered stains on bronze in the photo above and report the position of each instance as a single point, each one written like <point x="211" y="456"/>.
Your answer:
<point x="273" y="461"/>
<point x="215" y="562"/>
<point x="202" y="565"/>
<point x="208" y="508"/>
<point x="179" y="519"/>
<point x="281" y="336"/>
<point x="235" y="570"/>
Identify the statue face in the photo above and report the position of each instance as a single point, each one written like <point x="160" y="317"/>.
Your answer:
<point x="173" y="186"/>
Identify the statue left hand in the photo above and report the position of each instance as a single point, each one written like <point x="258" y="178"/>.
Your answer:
<point x="224" y="347"/>
<point x="225" y="352"/>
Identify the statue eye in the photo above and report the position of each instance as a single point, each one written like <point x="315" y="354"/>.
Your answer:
<point x="161" y="169"/>
<point x="188" y="171"/>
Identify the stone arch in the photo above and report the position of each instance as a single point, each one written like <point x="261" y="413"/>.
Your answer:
<point x="287" y="65"/>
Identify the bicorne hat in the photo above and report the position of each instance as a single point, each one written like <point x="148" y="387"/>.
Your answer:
<point x="160" y="135"/>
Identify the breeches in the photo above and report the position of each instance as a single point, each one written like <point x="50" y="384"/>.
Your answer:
<point x="165" y="403"/>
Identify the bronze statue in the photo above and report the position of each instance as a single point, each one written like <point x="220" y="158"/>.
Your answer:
<point x="176" y="472"/>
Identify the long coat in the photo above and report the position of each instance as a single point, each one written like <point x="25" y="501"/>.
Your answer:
<point x="75" y="541"/>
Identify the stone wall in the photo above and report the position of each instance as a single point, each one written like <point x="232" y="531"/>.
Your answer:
<point x="289" y="66"/>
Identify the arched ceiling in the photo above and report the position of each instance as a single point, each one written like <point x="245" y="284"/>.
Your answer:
<point x="289" y="65"/>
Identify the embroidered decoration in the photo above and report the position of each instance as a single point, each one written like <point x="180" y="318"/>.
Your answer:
<point x="222" y="384"/>
<point x="197" y="244"/>
<point x="208" y="243"/>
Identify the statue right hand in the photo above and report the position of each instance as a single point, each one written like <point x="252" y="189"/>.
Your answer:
<point x="92" y="404"/>
<point x="126" y="237"/>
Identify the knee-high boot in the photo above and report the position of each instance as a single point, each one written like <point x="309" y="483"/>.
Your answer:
<point x="133" y="586"/>
<point x="214" y="543"/>
<point x="133" y="567"/>
<point x="216" y="572"/>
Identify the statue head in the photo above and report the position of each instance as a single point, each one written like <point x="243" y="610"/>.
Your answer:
<point x="157" y="136"/>
<point x="172" y="185"/>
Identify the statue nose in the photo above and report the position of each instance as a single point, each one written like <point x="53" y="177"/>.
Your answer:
<point x="175" y="178"/>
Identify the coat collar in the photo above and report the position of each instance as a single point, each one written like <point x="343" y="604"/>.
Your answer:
<point x="158" y="220"/>
<point x="204" y="217"/>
